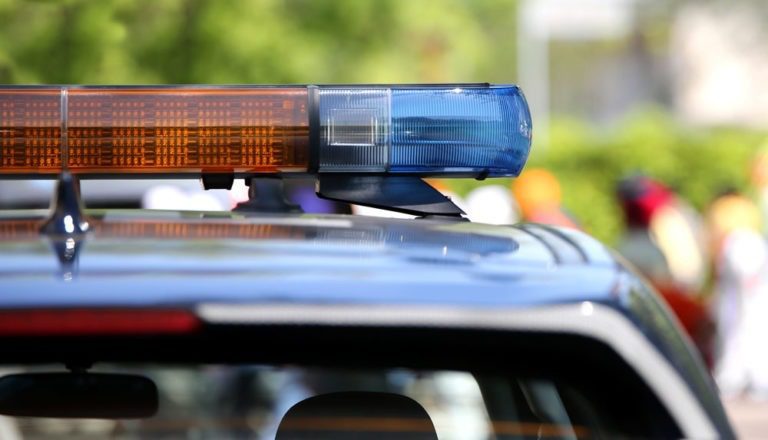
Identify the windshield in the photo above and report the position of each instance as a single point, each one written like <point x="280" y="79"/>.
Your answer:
<point x="253" y="401"/>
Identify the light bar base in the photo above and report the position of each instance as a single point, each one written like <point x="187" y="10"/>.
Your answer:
<point x="266" y="195"/>
<point x="405" y="194"/>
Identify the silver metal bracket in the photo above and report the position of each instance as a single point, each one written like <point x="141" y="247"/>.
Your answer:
<point x="67" y="225"/>
<point x="67" y="215"/>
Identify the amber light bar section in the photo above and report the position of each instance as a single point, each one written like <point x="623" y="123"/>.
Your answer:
<point x="22" y="229"/>
<point x="30" y="131"/>
<point x="162" y="130"/>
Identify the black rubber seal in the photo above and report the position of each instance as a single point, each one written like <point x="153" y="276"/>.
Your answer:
<point x="313" y="110"/>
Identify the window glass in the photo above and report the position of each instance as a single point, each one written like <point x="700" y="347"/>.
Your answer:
<point x="249" y="401"/>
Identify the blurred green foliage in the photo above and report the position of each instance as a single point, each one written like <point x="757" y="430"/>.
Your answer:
<point x="268" y="41"/>
<point x="337" y="41"/>
<point x="697" y="163"/>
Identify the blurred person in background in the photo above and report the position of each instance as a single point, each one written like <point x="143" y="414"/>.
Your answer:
<point x="173" y="197"/>
<point x="664" y="239"/>
<point x="760" y="181"/>
<point x="539" y="196"/>
<point x="741" y="295"/>
<point x="303" y="193"/>
<point x="296" y="193"/>
<point x="664" y="235"/>
<point x="492" y="204"/>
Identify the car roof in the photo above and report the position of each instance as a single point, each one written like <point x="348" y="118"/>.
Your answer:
<point x="199" y="260"/>
<point x="148" y="257"/>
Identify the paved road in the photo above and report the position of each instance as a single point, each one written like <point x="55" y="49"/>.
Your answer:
<point x="750" y="418"/>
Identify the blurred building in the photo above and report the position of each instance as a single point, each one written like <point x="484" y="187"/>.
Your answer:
<point x="601" y="59"/>
<point x="718" y="53"/>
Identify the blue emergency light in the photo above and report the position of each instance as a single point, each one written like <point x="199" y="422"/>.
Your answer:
<point x="469" y="131"/>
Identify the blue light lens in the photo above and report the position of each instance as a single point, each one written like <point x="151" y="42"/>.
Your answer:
<point x="476" y="130"/>
<point x="469" y="131"/>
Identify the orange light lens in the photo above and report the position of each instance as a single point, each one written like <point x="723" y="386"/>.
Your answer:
<point x="154" y="130"/>
<point x="30" y="131"/>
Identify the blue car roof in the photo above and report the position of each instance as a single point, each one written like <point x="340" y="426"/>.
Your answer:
<point x="148" y="258"/>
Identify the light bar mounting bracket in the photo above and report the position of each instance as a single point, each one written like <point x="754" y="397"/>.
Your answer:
<point x="266" y="194"/>
<point x="67" y="216"/>
<point x="67" y="225"/>
<point x="405" y="194"/>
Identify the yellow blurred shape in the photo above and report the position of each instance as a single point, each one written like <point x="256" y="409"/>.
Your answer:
<point x="536" y="189"/>
<point x="730" y="213"/>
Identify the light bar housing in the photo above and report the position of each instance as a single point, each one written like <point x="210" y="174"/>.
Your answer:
<point x="475" y="130"/>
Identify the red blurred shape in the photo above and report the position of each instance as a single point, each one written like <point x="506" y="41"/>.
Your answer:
<point x="76" y="322"/>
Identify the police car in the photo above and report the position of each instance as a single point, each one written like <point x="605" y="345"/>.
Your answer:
<point x="265" y="322"/>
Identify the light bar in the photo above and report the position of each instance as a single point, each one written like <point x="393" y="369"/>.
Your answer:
<point x="473" y="130"/>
